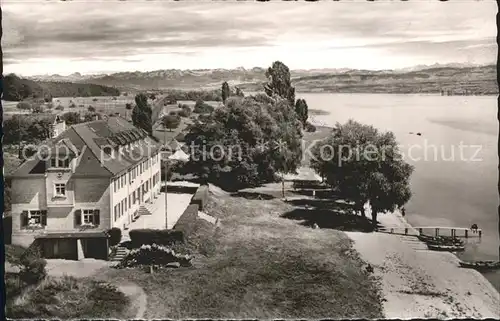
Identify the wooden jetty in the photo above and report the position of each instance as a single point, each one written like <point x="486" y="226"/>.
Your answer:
<point x="438" y="231"/>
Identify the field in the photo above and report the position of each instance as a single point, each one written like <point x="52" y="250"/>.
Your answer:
<point x="263" y="266"/>
<point x="103" y="104"/>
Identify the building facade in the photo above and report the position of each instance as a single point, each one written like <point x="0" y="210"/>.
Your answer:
<point x="94" y="176"/>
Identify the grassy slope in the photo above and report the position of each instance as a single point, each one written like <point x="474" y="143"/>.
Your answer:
<point x="70" y="298"/>
<point x="264" y="266"/>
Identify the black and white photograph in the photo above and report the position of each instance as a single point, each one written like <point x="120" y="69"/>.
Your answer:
<point x="250" y="159"/>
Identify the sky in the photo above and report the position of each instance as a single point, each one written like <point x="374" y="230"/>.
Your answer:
<point x="54" y="37"/>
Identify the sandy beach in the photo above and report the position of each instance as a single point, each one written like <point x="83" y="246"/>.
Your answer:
<point x="419" y="283"/>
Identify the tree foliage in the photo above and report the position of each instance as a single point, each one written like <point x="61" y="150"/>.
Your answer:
<point x="71" y="118"/>
<point x="185" y="111"/>
<point x="365" y="165"/>
<point x="226" y="92"/>
<point x="142" y="113"/>
<point x="23" y="105"/>
<point x="279" y="82"/>
<point x="193" y="95"/>
<point x="302" y="110"/>
<point x="245" y="143"/>
<point x="17" y="89"/>
<point x="202" y="107"/>
<point x="171" y="121"/>
<point x="31" y="129"/>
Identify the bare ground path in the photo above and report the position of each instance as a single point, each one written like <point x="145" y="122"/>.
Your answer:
<point x="93" y="268"/>
<point x="137" y="297"/>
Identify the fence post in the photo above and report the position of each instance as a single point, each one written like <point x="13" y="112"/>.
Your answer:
<point x="420" y="231"/>
<point x="466" y="234"/>
<point x="437" y="231"/>
<point x="406" y="231"/>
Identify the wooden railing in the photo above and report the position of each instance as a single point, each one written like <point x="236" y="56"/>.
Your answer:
<point x="438" y="231"/>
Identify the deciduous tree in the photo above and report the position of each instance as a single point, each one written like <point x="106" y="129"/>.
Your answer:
<point x="279" y="82"/>
<point x="302" y="110"/>
<point x="226" y="92"/>
<point x="365" y="165"/>
<point x="245" y="143"/>
<point x="171" y="121"/>
<point x="141" y="114"/>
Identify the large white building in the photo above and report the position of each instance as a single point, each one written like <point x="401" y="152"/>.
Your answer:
<point x="92" y="177"/>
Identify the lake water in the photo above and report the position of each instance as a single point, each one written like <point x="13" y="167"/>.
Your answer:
<point x="449" y="188"/>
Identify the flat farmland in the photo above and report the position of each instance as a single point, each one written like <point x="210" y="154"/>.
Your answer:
<point x="103" y="104"/>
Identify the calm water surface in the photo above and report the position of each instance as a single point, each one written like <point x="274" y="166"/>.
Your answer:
<point x="451" y="185"/>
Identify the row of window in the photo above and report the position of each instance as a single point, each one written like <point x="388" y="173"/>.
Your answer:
<point x="137" y="196"/>
<point x="38" y="218"/>
<point x="133" y="173"/>
<point x="59" y="163"/>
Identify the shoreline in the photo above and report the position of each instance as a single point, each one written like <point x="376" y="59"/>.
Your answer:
<point x="419" y="283"/>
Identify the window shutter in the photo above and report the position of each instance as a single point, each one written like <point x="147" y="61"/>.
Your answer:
<point x="97" y="217"/>
<point x="78" y="218"/>
<point x="24" y="218"/>
<point x="44" y="218"/>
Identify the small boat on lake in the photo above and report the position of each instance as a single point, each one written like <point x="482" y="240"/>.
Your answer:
<point x="481" y="265"/>
<point x="441" y="240"/>
<point x="447" y="248"/>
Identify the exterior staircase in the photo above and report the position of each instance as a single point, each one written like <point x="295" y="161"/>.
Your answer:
<point x="120" y="254"/>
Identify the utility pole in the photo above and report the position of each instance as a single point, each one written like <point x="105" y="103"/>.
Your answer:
<point x="166" y="178"/>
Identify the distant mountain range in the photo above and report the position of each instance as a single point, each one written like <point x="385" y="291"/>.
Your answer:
<point x="453" y="78"/>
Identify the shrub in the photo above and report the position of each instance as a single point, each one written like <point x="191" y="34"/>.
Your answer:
<point x="202" y="108"/>
<point x="185" y="112"/>
<point x="70" y="298"/>
<point x="310" y="127"/>
<point x="139" y="237"/>
<point x="154" y="255"/>
<point x="115" y="236"/>
<point x="72" y="105"/>
<point x="59" y="107"/>
<point x="32" y="265"/>
<point x="173" y="113"/>
<point x="187" y="221"/>
<point x="128" y="106"/>
<point x="13" y="285"/>
<point x="201" y="197"/>
<point x="23" y="105"/>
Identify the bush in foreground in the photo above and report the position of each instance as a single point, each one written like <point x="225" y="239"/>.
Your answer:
<point x="154" y="255"/>
<point x="139" y="237"/>
<point x="202" y="107"/>
<point x="32" y="266"/>
<point x="70" y="298"/>
<point x="115" y="236"/>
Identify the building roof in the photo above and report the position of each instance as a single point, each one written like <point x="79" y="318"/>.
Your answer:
<point x="100" y="146"/>
<point x="73" y="235"/>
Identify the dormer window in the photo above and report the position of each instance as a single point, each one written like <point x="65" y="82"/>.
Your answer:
<point x="59" y="163"/>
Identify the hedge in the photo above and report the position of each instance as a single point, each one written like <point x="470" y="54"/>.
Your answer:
<point x="115" y="236"/>
<point x="201" y="197"/>
<point x="187" y="221"/>
<point x="139" y="237"/>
